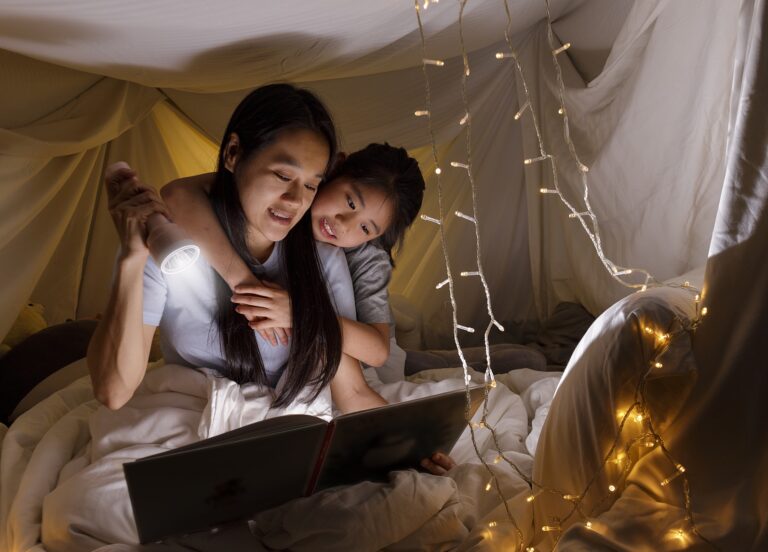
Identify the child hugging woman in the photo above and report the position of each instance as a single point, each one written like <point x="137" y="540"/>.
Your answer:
<point x="365" y="207"/>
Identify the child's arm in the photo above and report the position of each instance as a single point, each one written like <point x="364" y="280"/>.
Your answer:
<point x="187" y="200"/>
<point x="349" y="390"/>
<point x="367" y="343"/>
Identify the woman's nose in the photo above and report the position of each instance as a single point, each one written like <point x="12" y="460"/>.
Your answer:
<point x="293" y="194"/>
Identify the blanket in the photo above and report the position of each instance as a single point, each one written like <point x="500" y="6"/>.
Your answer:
<point x="62" y="486"/>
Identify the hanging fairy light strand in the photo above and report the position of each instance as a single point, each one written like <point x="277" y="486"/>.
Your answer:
<point x="649" y="439"/>
<point x="450" y="282"/>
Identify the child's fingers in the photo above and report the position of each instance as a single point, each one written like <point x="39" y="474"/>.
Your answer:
<point x="432" y="468"/>
<point x="251" y="300"/>
<point x="254" y="289"/>
<point x="443" y="460"/>
<point x="282" y="335"/>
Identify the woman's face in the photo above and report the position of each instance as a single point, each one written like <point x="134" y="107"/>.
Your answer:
<point x="277" y="185"/>
<point x="347" y="214"/>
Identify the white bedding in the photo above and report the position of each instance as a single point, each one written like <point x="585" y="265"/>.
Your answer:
<point x="61" y="478"/>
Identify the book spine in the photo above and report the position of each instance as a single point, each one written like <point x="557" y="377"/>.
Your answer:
<point x="321" y="458"/>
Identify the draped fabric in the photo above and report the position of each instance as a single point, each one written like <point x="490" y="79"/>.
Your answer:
<point x="95" y="84"/>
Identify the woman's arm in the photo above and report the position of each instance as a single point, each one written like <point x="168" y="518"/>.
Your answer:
<point x="119" y="349"/>
<point x="118" y="352"/>
<point x="187" y="199"/>
<point x="367" y="343"/>
<point x="349" y="390"/>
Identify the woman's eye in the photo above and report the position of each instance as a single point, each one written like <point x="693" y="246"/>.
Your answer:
<point x="365" y="229"/>
<point x="310" y="187"/>
<point x="350" y="203"/>
<point x="283" y="177"/>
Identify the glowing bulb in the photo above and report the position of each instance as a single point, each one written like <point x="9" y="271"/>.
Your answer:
<point x="612" y="488"/>
<point x="438" y="170"/>
<point x="497" y="459"/>
<point x="535" y="159"/>
<point x="421" y="113"/>
<point x="657" y="365"/>
<point x="638" y="418"/>
<point x="465" y="328"/>
<point x="492" y="524"/>
<point x="436" y="62"/>
<point x="704" y="311"/>
<point x="519" y="114"/>
<point x="620" y="414"/>
<point x="588" y="525"/>
<point x="430" y="219"/>
<point x="488" y="486"/>
<point x="465" y="274"/>
<point x="645" y="287"/>
<point x="547" y="191"/>
<point x="648" y="330"/>
<point x="550" y="528"/>
<point x="465" y="217"/>
<point x="458" y="165"/>
<point x="464" y="119"/>
<point x="561" y="49"/>
<point x="570" y="497"/>
<point x="560" y="111"/>
<point x="443" y="283"/>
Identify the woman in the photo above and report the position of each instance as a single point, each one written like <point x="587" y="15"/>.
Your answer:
<point x="275" y="152"/>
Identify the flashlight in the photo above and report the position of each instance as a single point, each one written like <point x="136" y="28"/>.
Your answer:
<point x="168" y="244"/>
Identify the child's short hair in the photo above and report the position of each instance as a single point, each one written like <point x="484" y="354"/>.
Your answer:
<point x="396" y="173"/>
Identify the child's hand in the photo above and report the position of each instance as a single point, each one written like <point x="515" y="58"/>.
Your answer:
<point x="438" y="464"/>
<point x="267" y="307"/>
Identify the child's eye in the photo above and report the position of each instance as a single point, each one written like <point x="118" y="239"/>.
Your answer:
<point x="282" y="177"/>
<point x="350" y="203"/>
<point x="310" y="187"/>
<point x="365" y="229"/>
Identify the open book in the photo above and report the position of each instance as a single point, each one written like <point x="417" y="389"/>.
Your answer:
<point x="262" y="465"/>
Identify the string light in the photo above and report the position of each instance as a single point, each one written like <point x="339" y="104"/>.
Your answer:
<point x="464" y="119"/>
<point x="430" y="219"/>
<point x="657" y="365"/>
<point x="491" y="524"/>
<point x="588" y="525"/>
<point x="504" y="55"/>
<point x="519" y="114"/>
<point x="680" y="470"/>
<point x="465" y="217"/>
<point x="422" y="113"/>
<point x="465" y="328"/>
<point x="548" y="191"/>
<point x="704" y="311"/>
<point x="438" y="170"/>
<point x="443" y="283"/>
<point x="561" y="49"/>
<point x="465" y="274"/>
<point x="458" y="165"/>
<point x="591" y="229"/>
<point x="536" y="159"/>
<point x="435" y="62"/>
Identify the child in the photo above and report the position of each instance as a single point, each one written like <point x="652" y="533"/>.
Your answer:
<point x="372" y="196"/>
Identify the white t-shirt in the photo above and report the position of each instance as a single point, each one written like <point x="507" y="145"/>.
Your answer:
<point x="184" y="306"/>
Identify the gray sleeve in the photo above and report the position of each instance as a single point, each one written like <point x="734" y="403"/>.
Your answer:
<point x="371" y="270"/>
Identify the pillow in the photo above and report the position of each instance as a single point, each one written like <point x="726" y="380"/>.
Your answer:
<point x="39" y="356"/>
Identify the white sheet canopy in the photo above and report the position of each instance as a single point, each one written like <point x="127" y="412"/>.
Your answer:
<point x="88" y="84"/>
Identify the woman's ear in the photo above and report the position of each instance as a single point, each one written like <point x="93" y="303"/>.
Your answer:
<point x="231" y="152"/>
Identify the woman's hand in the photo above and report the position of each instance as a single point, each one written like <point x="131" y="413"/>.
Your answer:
<point x="130" y="204"/>
<point x="438" y="464"/>
<point x="267" y="307"/>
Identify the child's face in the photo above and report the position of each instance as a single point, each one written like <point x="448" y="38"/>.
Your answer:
<point x="348" y="214"/>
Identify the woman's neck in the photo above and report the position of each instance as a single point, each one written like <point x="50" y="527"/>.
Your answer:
<point x="259" y="246"/>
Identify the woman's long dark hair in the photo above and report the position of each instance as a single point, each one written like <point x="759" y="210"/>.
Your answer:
<point x="315" y="346"/>
<point x="397" y="174"/>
